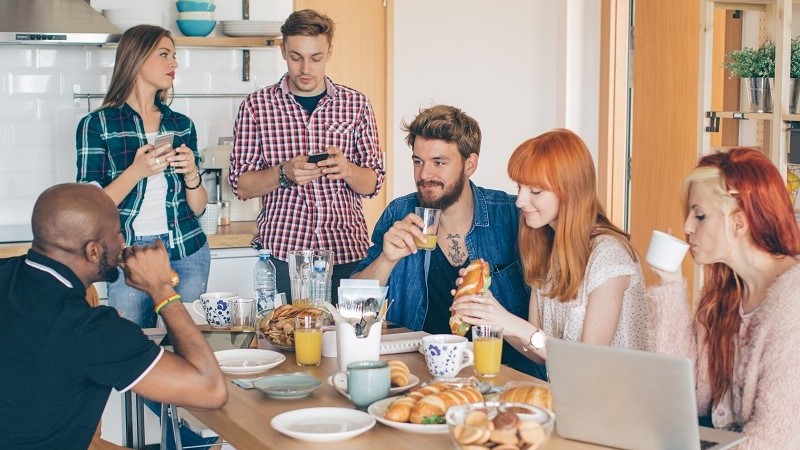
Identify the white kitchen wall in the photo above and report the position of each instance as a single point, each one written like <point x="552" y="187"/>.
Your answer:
<point x="519" y="67"/>
<point x="38" y="115"/>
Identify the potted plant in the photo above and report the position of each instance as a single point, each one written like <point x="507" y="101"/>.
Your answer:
<point x="794" y="74"/>
<point x="757" y="66"/>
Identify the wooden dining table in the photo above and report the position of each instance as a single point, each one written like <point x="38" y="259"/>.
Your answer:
<point x="245" y="421"/>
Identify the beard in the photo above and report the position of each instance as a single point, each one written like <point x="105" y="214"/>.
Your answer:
<point x="107" y="271"/>
<point x="449" y="195"/>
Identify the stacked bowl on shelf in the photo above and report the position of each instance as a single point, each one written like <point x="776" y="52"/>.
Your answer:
<point x="196" y="17"/>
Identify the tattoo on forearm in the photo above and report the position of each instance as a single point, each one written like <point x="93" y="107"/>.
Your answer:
<point x="457" y="253"/>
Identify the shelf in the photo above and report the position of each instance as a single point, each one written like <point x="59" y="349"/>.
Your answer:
<point x="741" y="115"/>
<point x="226" y="42"/>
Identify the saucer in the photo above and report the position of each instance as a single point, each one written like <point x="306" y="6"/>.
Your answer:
<point x="413" y="380"/>
<point x="287" y="385"/>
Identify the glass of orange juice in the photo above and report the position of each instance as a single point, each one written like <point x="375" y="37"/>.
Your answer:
<point x="430" y="220"/>
<point x="487" y="342"/>
<point x="308" y="340"/>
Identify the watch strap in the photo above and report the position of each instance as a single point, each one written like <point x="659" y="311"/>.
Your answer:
<point x="284" y="181"/>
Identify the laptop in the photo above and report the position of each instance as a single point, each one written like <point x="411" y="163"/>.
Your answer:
<point x="628" y="399"/>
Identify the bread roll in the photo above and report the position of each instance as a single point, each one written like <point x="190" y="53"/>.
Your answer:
<point x="532" y="394"/>
<point x="400" y="409"/>
<point x="438" y="404"/>
<point x="400" y="373"/>
<point x="476" y="280"/>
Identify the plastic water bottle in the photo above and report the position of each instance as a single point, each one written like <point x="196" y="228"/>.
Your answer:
<point x="264" y="281"/>
<point x="319" y="283"/>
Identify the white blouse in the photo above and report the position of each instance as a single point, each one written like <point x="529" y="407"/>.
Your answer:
<point x="609" y="259"/>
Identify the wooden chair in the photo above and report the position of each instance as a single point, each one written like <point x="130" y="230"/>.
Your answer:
<point x="98" y="443"/>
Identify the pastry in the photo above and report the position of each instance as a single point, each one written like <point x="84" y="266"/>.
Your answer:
<point x="476" y="280"/>
<point x="532" y="394"/>
<point x="400" y="373"/>
<point x="438" y="404"/>
<point x="400" y="409"/>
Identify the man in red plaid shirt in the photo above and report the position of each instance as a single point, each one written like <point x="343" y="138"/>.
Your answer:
<point x="308" y="203"/>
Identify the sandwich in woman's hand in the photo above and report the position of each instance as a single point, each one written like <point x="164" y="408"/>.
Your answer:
<point x="476" y="280"/>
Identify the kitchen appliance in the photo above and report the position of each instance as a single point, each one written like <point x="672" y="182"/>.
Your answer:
<point x="217" y="158"/>
<point x="71" y="22"/>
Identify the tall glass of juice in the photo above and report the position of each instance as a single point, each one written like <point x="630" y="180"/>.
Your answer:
<point x="308" y="340"/>
<point x="487" y="341"/>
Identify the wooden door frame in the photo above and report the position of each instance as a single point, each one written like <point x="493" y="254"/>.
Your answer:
<point x="612" y="161"/>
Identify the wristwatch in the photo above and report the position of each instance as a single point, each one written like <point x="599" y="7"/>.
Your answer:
<point x="537" y="340"/>
<point x="283" y="179"/>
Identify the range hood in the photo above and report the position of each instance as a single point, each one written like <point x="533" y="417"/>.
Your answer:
<point x="65" y="22"/>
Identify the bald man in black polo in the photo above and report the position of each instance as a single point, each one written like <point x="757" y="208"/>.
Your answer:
<point x="60" y="357"/>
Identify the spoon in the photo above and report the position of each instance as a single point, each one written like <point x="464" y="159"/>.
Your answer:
<point x="368" y="318"/>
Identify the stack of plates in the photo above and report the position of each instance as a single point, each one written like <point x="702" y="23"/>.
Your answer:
<point x="245" y="28"/>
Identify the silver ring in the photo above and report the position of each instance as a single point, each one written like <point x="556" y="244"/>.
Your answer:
<point x="158" y="163"/>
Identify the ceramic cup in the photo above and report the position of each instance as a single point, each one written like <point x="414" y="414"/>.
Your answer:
<point x="364" y="382"/>
<point x="215" y="307"/>
<point x="666" y="251"/>
<point x="446" y="354"/>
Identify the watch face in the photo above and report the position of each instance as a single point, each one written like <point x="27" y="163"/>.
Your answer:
<point x="538" y="339"/>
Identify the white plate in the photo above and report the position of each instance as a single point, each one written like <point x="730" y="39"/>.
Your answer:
<point x="247" y="361"/>
<point x="413" y="380"/>
<point x="322" y="424"/>
<point x="378" y="410"/>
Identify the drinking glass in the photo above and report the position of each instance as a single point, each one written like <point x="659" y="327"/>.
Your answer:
<point x="487" y="344"/>
<point x="243" y="314"/>
<point x="308" y="340"/>
<point x="430" y="219"/>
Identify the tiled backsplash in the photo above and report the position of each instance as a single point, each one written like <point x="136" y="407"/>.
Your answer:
<point x="39" y="115"/>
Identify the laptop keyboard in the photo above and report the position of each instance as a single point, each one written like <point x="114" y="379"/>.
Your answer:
<point x="704" y="445"/>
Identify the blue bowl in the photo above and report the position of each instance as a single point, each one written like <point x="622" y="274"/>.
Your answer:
<point x="187" y="6"/>
<point x="196" y="27"/>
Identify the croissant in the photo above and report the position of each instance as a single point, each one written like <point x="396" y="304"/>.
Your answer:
<point x="400" y="373"/>
<point x="438" y="404"/>
<point x="400" y="409"/>
<point x="531" y="394"/>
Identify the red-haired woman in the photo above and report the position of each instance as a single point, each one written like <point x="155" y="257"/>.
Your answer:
<point x="744" y="335"/>
<point x="586" y="279"/>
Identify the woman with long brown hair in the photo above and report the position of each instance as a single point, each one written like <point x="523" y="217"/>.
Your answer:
<point x="743" y="336"/>
<point x="159" y="195"/>
<point x="586" y="280"/>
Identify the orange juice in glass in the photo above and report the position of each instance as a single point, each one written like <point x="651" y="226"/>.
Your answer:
<point x="308" y="340"/>
<point x="430" y="220"/>
<point x="487" y="342"/>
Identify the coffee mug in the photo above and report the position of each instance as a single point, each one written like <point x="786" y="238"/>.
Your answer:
<point x="665" y="251"/>
<point x="446" y="354"/>
<point x="364" y="382"/>
<point x="215" y="307"/>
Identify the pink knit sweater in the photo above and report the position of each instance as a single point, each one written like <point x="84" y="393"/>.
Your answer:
<point x="764" y="396"/>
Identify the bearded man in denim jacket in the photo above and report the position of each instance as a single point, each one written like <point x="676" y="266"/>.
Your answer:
<point x="474" y="223"/>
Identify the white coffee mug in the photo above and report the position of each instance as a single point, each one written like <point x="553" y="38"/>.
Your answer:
<point x="666" y="251"/>
<point x="446" y="354"/>
<point x="215" y="308"/>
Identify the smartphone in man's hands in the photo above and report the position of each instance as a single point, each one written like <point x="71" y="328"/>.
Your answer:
<point x="162" y="140"/>
<point x="317" y="157"/>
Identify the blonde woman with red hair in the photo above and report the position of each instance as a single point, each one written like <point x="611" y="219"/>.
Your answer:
<point x="587" y="284"/>
<point x="743" y="336"/>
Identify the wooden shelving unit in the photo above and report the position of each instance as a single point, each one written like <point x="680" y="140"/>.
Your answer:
<point x="227" y="42"/>
<point x="776" y="139"/>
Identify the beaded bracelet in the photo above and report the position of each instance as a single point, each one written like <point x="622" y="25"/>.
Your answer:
<point x="166" y="302"/>
<point x="199" y="182"/>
